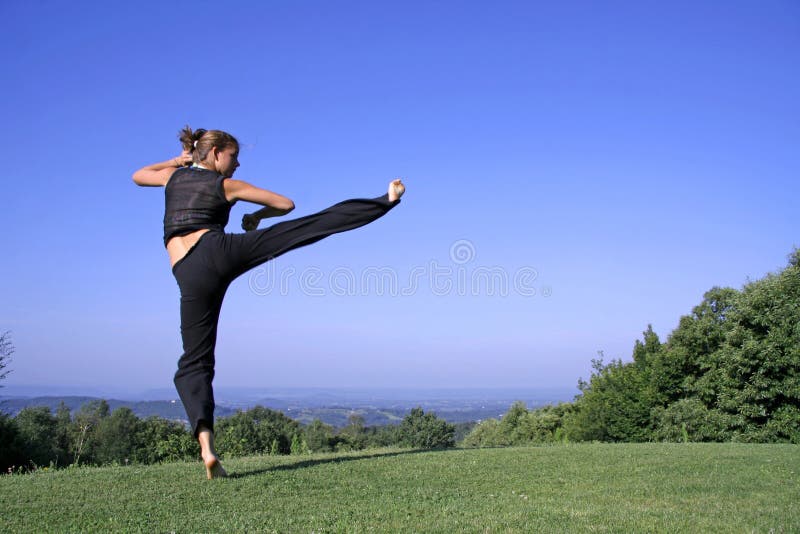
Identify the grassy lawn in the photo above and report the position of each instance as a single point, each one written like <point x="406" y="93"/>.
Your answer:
<point x="564" y="488"/>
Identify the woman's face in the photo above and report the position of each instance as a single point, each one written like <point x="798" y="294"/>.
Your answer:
<point x="226" y="160"/>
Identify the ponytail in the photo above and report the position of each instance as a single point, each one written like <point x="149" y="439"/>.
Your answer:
<point x="199" y="143"/>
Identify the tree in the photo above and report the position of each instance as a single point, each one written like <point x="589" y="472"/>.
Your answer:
<point x="690" y="420"/>
<point x="520" y="426"/>
<point x="613" y="405"/>
<point x="757" y="370"/>
<point x="12" y="447"/>
<point x="353" y="436"/>
<point x="486" y="434"/>
<point x="83" y="428"/>
<point x="38" y="430"/>
<point x="425" y="431"/>
<point x="299" y="446"/>
<point x="731" y="370"/>
<point x="512" y="423"/>
<point x="253" y="432"/>
<point x="6" y="350"/>
<point x="689" y="364"/>
<point x="161" y="440"/>
<point x="63" y="424"/>
<point x="319" y="436"/>
<point x="383" y="436"/>
<point x="114" y="439"/>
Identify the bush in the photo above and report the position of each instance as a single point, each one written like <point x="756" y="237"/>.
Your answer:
<point x="115" y="438"/>
<point x="161" y="440"/>
<point x="37" y="430"/>
<point x="319" y="436"/>
<point x="353" y="437"/>
<point x="520" y="426"/>
<point x="486" y="434"/>
<point x="690" y="420"/>
<point x="254" y="432"/>
<point x="12" y="449"/>
<point x="425" y="431"/>
<point x="614" y="405"/>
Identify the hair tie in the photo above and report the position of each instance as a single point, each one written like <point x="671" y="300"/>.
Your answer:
<point x="195" y="144"/>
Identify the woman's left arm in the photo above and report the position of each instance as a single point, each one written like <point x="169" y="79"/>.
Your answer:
<point x="158" y="174"/>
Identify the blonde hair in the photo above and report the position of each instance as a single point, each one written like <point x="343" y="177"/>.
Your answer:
<point x="200" y="142"/>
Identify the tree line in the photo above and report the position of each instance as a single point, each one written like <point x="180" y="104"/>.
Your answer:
<point x="95" y="435"/>
<point x="730" y="371"/>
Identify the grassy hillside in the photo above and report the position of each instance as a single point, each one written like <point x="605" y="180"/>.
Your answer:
<point x="597" y="487"/>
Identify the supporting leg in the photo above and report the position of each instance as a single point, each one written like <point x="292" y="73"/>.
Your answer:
<point x="202" y="293"/>
<point x="214" y="468"/>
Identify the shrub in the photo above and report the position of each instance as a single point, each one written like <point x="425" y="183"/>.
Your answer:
<point x="691" y="420"/>
<point x="425" y="431"/>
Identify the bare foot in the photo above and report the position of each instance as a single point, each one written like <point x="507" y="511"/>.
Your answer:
<point x="214" y="469"/>
<point x="396" y="190"/>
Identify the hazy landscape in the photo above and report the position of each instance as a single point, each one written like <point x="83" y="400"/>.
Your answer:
<point x="333" y="406"/>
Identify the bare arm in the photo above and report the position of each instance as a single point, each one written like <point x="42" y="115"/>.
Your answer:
<point x="274" y="204"/>
<point x="158" y="174"/>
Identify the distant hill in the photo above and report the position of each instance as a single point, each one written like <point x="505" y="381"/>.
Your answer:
<point x="166" y="409"/>
<point x="331" y="407"/>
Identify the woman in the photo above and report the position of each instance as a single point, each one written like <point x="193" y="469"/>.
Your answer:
<point x="205" y="260"/>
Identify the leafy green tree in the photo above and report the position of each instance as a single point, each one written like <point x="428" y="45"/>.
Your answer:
<point x="613" y="405"/>
<point x="114" y="439"/>
<point x="520" y="426"/>
<point x="486" y="434"/>
<point x="543" y="425"/>
<point x="512" y="423"/>
<point x="463" y="430"/>
<point x="253" y="432"/>
<point x="689" y="366"/>
<point x="353" y="436"/>
<point x="299" y="446"/>
<point x="38" y="430"/>
<point x="383" y="436"/>
<point x="757" y="372"/>
<point x="731" y="370"/>
<point x="161" y="440"/>
<point x="63" y="422"/>
<point x="425" y="431"/>
<point x="319" y="436"/>
<point x="83" y="429"/>
<point x="12" y="447"/>
<point x="690" y="420"/>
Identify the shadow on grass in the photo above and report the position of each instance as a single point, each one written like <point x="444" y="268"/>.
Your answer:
<point x="333" y="460"/>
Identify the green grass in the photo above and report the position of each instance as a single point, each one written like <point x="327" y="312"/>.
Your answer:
<point x="564" y="488"/>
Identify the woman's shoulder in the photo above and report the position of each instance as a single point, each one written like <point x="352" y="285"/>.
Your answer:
<point x="189" y="174"/>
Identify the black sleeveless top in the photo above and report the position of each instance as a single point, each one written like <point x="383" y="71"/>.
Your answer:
<point x="195" y="199"/>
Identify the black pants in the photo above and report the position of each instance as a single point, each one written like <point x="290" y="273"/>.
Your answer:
<point x="207" y="270"/>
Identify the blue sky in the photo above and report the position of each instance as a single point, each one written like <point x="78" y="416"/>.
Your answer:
<point x="617" y="159"/>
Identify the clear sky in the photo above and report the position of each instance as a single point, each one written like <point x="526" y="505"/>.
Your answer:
<point x="609" y="161"/>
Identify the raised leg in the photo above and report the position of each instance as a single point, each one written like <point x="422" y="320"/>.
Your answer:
<point x="260" y="246"/>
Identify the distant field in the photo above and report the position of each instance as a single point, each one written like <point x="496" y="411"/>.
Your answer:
<point x="591" y="487"/>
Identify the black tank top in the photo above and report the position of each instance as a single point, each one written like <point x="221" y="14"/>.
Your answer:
<point x="195" y="199"/>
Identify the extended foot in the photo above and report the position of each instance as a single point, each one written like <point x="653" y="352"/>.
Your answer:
<point x="396" y="189"/>
<point x="214" y="469"/>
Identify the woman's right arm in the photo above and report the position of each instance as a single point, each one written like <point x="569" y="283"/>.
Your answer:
<point x="158" y="174"/>
<point x="274" y="204"/>
<point x="239" y="190"/>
